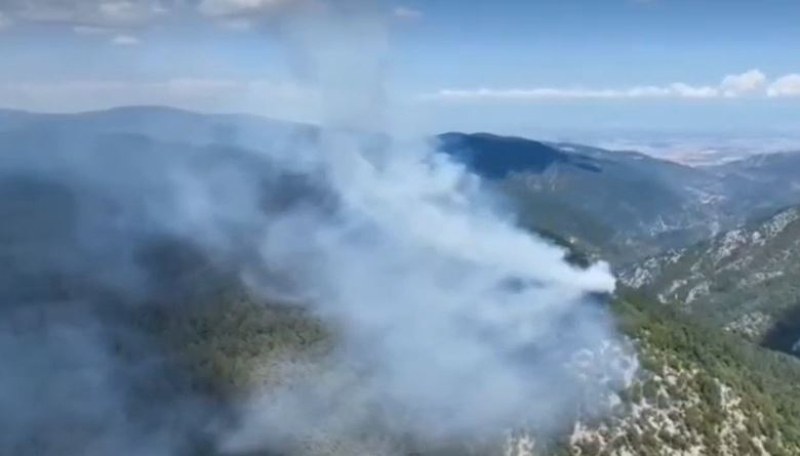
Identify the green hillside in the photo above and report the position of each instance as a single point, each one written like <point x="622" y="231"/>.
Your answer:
<point x="744" y="280"/>
<point x="698" y="389"/>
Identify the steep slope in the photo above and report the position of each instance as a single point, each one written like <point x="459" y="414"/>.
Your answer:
<point x="700" y="392"/>
<point x="744" y="280"/>
<point x="620" y="205"/>
<point x="763" y="182"/>
<point x="626" y="206"/>
<point x="690" y="389"/>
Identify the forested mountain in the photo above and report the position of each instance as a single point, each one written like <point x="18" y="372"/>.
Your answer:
<point x="744" y="280"/>
<point x="187" y="334"/>
<point x="624" y="206"/>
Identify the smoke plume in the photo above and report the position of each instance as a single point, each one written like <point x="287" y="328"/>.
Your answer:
<point x="462" y="323"/>
<point x="449" y="322"/>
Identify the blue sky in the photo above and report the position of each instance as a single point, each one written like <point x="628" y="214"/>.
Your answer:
<point x="527" y="67"/>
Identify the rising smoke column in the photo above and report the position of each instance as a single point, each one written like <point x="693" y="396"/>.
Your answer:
<point x="457" y="322"/>
<point x="451" y="322"/>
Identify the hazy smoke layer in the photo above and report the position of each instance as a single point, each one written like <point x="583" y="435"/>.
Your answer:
<point x="451" y="321"/>
<point x="466" y="324"/>
<point x="463" y="324"/>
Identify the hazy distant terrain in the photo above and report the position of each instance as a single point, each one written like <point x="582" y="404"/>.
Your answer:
<point x="697" y="150"/>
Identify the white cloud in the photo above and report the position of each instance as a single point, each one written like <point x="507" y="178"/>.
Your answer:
<point x="133" y="13"/>
<point x="786" y="86"/>
<point x="232" y="8"/>
<point x="750" y="83"/>
<point x="90" y="30"/>
<point x="119" y="11"/>
<point x="237" y="24"/>
<point x="125" y="40"/>
<point x="677" y="90"/>
<point x="682" y="90"/>
<point x="406" y="13"/>
<point x="739" y="84"/>
<point x="88" y="13"/>
<point x="521" y="94"/>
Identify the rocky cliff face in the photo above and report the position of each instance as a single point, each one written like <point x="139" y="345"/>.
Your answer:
<point x="744" y="280"/>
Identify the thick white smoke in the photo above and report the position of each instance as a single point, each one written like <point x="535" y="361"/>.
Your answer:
<point x="449" y="321"/>
<point x="467" y="322"/>
<point x="462" y="323"/>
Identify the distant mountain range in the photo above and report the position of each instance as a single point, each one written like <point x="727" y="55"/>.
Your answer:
<point x="161" y="124"/>
<point x="623" y="206"/>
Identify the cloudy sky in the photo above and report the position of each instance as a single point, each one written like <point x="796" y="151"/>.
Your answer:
<point x="508" y="66"/>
